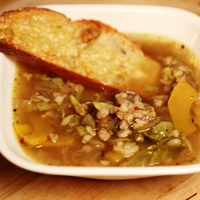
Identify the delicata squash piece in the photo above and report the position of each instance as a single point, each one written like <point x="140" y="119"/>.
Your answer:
<point x="180" y="102"/>
<point x="86" y="51"/>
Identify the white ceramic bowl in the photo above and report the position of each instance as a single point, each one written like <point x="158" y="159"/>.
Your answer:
<point x="172" y="22"/>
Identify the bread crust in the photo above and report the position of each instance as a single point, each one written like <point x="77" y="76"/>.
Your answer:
<point x="90" y="53"/>
<point x="46" y="66"/>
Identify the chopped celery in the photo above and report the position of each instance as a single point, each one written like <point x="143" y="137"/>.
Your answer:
<point x="43" y="106"/>
<point x="59" y="99"/>
<point x="81" y="130"/>
<point x="100" y="105"/>
<point x="73" y="100"/>
<point x="71" y="120"/>
<point x="58" y="81"/>
<point x="80" y="108"/>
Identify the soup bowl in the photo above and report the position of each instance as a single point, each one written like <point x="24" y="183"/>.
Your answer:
<point x="171" y="22"/>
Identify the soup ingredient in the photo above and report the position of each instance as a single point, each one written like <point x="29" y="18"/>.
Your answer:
<point x="180" y="102"/>
<point x="90" y="127"/>
<point x="160" y="131"/>
<point x="153" y="155"/>
<point x="119" y="129"/>
<point x="87" y="51"/>
<point x="23" y="129"/>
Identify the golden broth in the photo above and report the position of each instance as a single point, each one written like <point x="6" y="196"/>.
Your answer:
<point x="52" y="127"/>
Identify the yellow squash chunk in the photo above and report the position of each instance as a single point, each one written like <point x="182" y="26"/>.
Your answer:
<point x="35" y="139"/>
<point x="63" y="141"/>
<point x="114" y="157"/>
<point x="22" y="129"/>
<point x="181" y="99"/>
<point x="39" y="134"/>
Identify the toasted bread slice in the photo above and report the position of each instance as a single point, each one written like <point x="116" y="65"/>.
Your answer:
<point x="85" y="51"/>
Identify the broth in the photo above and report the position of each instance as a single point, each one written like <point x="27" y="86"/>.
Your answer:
<point x="58" y="122"/>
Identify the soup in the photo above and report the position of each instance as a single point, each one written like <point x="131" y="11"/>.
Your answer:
<point x="59" y="122"/>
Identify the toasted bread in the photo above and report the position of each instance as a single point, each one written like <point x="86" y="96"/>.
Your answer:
<point x="85" y="51"/>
